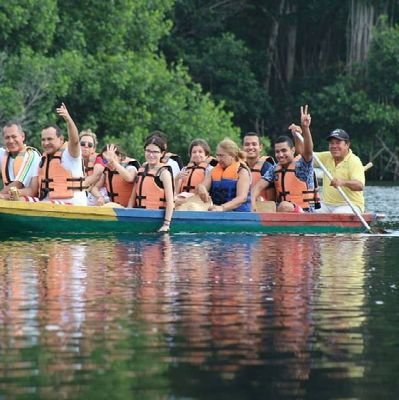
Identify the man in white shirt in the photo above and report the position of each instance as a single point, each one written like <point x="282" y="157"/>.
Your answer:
<point x="61" y="170"/>
<point x="19" y="164"/>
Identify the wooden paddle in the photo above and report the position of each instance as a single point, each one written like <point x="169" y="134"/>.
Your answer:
<point x="367" y="166"/>
<point x="340" y="190"/>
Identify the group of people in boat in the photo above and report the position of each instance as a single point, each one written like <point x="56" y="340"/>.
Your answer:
<point x="236" y="179"/>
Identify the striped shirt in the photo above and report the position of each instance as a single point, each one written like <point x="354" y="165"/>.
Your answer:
<point x="29" y="167"/>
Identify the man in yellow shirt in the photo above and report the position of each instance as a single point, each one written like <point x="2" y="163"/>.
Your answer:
<point x="347" y="171"/>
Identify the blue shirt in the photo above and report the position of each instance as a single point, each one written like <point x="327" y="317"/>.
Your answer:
<point x="267" y="165"/>
<point x="303" y="171"/>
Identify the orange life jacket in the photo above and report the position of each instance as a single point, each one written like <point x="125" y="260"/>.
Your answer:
<point x="196" y="175"/>
<point x="269" y="193"/>
<point x="290" y="188"/>
<point x="56" y="181"/>
<point x="224" y="185"/>
<point x="119" y="190"/>
<point x="150" y="192"/>
<point x="18" y="161"/>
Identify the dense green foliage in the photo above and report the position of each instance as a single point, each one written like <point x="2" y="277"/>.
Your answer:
<point x="102" y="60"/>
<point x="266" y="58"/>
<point x="204" y="69"/>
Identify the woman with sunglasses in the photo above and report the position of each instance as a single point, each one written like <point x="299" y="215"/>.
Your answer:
<point x="228" y="183"/>
<point x="88" y="144"/>
<point x="153" y="187"/>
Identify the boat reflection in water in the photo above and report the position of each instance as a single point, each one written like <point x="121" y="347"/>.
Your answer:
<point x="190" y="316"/>
<point x="339" y="310"/>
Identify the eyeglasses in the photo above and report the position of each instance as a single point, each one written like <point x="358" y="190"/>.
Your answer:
<point x="152" y="151"/>
<point x="88" y="144"/>
<point x="222" y="155"/>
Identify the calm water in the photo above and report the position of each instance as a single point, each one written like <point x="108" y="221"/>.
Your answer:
<point x="202" y="317"/>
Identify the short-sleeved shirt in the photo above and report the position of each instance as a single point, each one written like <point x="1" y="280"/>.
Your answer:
<point x="267" y="165"/>
<point x="29" y="167"/>
<point x="175" y="167"/>
<point x="303" y="171"/>
<point x="100" y="160"/>
<point x="350" y="168"/>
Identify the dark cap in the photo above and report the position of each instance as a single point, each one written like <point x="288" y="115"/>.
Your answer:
<point x="339" y="134"/>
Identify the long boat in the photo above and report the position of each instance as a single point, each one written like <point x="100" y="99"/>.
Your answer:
<point x="20" y="217"/>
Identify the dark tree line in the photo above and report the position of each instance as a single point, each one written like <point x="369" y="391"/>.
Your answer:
<point x="265" y="58"/>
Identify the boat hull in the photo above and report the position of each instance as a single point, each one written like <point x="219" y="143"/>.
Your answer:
<point x="53" y="219"/>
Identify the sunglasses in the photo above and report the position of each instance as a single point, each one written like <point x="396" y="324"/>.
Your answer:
<point x="89" y="144"/>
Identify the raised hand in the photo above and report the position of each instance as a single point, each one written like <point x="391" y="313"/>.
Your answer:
<point x="305" y="116"/>
<point x="110" y="153"/>
<point x="295" y="128"/>
<point x="63" y="112"/>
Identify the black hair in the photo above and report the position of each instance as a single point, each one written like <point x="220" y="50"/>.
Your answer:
<point x="252" y="134"/>
<point x="58" y="130"/>
<point x="159" y="134"/>
<point x="283" y="139"/>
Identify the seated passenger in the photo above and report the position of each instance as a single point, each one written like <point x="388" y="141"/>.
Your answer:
<point x="293" y="177"/>
<point x="19" y="164"/>
<point x="153" y="187"/>
<point x="60" y="171"/>
<point x="171" y="159"/>
<point x="88" y="145"/>
<point x="200" y="165"/>
<point x="348" y="173"/>
<point x="112" y="178"/>
<point x="228" y="184"/>
<point x="257" y="163"/>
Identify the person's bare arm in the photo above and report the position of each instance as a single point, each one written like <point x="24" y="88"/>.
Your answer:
<point x="132" y="198"/>
<point x="202" y="190"/>
<point x="243" y="184"/>
<point x="298" y="140"/>
<point x="306" y="119"/>
<point x="91" y="180"/>
<point x="354" y="184"/>
<point x="167" y="180"/>
<point x="256" y="190"/>
<point x="73" y="133"/>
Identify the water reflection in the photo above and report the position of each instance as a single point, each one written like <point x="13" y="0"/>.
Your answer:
<point x="339" y="311"/>
<point x="183" y="316"/>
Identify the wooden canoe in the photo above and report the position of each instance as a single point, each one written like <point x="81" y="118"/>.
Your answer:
<point x="19" y="217"/>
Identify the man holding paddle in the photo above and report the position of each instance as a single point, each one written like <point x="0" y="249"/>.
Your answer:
<point x="343" y="177"/>
<point x="347" y="171"/>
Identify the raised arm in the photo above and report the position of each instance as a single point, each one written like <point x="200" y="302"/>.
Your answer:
<point x="307" y="153"/>
<point x="73" y="133"/>
<point x="296" y="131"/>
<point x="127" y="174"/>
